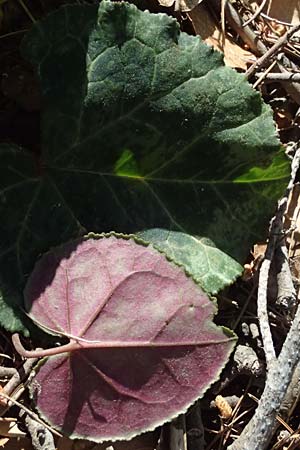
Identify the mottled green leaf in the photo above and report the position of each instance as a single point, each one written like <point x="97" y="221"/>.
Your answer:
<point x="142" y="127"/>
<point x="208" y="265"/>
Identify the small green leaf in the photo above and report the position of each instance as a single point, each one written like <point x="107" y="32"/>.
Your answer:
<point x="11" y="316"/>
<point x="208" y="265"/>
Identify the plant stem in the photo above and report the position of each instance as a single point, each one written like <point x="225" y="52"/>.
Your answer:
<point x="81" y="344"/>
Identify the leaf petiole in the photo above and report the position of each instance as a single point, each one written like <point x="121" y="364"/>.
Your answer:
<point x="80" y="344"/>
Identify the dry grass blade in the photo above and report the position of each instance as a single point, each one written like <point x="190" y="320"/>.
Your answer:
<point x="29" y="412"/>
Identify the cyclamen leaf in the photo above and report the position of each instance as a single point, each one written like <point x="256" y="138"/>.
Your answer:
<point x="142" y="127"/>
<point x="210" y="267"/>
<point x="157" y="349"/>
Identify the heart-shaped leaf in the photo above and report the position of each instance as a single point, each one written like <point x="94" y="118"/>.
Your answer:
<point x="142" y="127"/>
<point x="143" y="345"/>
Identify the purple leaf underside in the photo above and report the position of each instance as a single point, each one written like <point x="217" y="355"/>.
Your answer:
<point x="167" y="350"/>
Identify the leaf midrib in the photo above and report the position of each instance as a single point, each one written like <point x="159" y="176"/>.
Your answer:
<point x="146" y="178"/>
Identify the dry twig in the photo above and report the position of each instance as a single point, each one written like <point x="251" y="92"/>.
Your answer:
<point x="236" y="23"/>
<point x="19" y="376"/>
<point x="291" y="77"/>
<point x="29" y="412"/>
<point x="264" y="74"/>
<point x="14" y="386"/>
<point x="256" y="45"/>
<point x="257" y="13"/>
<point x="262" y="61"/>
<point x="272" y="19"/>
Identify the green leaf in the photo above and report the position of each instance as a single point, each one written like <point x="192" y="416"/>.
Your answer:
<point x="142" y="127"/>
<point x="208" y="265"/>
<point x="11" y="316"/>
